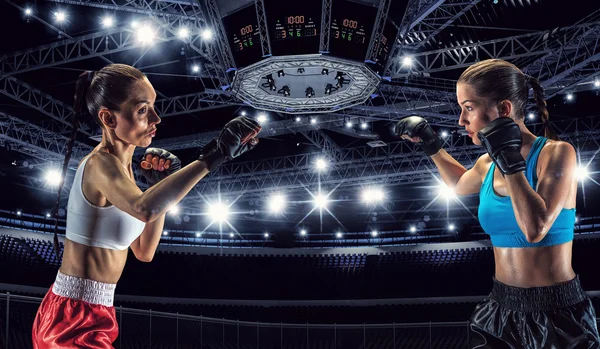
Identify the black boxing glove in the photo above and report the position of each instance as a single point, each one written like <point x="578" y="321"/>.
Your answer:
<point x="237" y="137"/>
<point x="502" y="140"/>
<point x="153" y="176"/>
<point x="416" y="126"/>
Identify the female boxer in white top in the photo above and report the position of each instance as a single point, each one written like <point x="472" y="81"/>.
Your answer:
<point x="107" y="212"/>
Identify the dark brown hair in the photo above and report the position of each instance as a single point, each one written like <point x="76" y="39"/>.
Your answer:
<point x="498" y="80"/>
<point x="109" y="87"/>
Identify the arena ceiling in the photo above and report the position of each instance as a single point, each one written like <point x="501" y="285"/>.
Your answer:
<point x="41" y="59"/>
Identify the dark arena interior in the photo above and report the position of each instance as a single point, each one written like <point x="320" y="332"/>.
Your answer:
<point x="333" y="232"/>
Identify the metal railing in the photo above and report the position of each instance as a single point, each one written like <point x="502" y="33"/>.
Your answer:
<point x="152" y="329"/>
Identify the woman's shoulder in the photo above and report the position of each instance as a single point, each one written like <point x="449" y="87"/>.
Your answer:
<point x="557" y="151"/>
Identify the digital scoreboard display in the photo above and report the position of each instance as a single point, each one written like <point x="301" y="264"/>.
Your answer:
<point x="294" y="26"/>
<point x="351" y="28"/>
<point x="386" y="43"/>
<point x="244" y="36"/>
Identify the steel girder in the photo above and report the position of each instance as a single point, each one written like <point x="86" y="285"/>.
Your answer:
<point x="323" y="141"/>
<point x="186" y="10"/>
<point x="261" y="15"/>
<point x="37" y="141"/>
<point x="186" y="104"/>
<point x="325" y="26"/>
<point x="530" y="45"/>
<point x="439" y="19"/>
<point x="380" y="21"/>
<point x="58" y="111"/>
<point x="71" y="50"/>
<point x="221" y="44"/>
<point x="562" y="67"/>
<point x="416" y="11"/>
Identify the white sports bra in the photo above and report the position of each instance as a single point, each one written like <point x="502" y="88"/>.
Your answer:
<point x="91" y="225"/>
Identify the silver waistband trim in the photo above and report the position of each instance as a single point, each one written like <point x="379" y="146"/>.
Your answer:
<point x="89" y="291"/>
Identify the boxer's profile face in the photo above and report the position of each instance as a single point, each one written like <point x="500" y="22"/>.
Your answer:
<point x="135" y="121"/>
<point x="476" y="111"/>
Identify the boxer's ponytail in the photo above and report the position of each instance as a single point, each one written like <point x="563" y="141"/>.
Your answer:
<point x="109" y="87"/>
<point x="81" y="86"/>
<point x="540" y="100"/>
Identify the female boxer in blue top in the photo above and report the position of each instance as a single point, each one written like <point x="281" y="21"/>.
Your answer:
<point x="528" y="192"/>
<point x="108" y="214"/>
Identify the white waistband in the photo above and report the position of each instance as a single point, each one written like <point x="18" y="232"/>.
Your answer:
<point x="89" y="291"/>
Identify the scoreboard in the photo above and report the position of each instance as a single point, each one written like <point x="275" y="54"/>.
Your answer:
<point x="294" y="26"/>
<point x="244" y="36"/>
<point x="351" y="28"/>
<point x="291" y="27"/>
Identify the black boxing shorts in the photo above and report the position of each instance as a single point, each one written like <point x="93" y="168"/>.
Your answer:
<point x="557" y="317"/>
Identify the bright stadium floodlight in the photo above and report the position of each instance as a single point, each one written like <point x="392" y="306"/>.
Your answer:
<point x="321" y="164"/>
<point x="261" y="118"/>
<point x="174" y="210"/>
<point x="339" y="235"/>
<point x="183" y="33"/>
<point x="582" y="173"/>
<point x="219" y="212"/>
<point x="108" y="22"/>
<point x="60" y="16"/>
<point x="413" y="229"/>
<point x="303" y="232"/>
<point x="374" y="233"/>
<point x="207" y="34"/>
<point x="277" y="203"/>
<point x="446" y="192"/>
<point x="53" y="177"/>
<point x="320" y="201"/>
<point x="372" y="195"/>
<point x="145" y="34"/>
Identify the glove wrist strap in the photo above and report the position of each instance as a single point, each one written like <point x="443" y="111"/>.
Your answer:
<point x="212" y="156"/>
<point x="433" y="147"/>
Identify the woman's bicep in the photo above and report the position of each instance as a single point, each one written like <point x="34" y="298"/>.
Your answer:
<point x="111" y="180"/>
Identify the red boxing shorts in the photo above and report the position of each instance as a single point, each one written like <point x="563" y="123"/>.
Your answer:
<point x="76" y="313"/>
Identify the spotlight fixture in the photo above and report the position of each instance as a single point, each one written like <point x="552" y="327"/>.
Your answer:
<point x="310" y="92"/>
<point x="328" y="89"/>
<point x="300" y="70"/>
<point x="280" y="73"/>
<point x="285" y="90"/>
<point x="325" y="71"/>
<point x="340" y="79"/>
<point x="60" y="16"/>
<point x="107" y="22"/>
<point x="207" y="34"/>
<point x="303" y="232"/>
<point x="269" y="78"/>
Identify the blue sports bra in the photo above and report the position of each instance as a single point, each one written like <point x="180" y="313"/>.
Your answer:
<point x="497" y="217"/>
